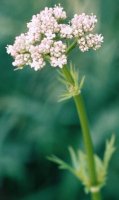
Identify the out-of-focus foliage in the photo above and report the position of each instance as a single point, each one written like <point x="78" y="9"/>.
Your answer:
<point x="33" y="125"/>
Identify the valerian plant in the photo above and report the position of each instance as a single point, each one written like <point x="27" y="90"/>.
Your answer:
<point x="50" y="39"/>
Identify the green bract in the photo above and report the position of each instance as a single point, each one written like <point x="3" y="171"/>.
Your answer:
<point x="72" y="88"/>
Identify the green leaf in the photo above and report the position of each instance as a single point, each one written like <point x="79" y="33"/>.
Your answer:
<point x="83" y="172"/>
<point x="71" y="88"/>
<point x="61" y="163"/>
<point x="100" y="170"/>
<point x="109" y="150"/>
<point x="74" y="158"/>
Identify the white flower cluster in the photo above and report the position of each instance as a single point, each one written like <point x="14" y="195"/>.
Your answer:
<point x="82" y="26"/>
<point x="90" y="41"/>
<point x="57" y="52"/>
<point x="47" y="38"/>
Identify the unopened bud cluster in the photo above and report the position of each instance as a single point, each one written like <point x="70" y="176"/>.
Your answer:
<point x="48" y="36"/>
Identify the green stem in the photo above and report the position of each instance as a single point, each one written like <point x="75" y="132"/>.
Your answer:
<point x="71" y="46"/>
<point x="86" y="136"/>
<point x="96" y="196"/>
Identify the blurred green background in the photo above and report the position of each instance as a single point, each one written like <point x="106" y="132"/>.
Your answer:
<point x="33" y="125"/>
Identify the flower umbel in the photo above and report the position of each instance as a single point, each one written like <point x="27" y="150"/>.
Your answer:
<point x="48" y="36"/>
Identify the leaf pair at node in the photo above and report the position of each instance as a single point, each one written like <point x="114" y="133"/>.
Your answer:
<point x="79" y="165"/>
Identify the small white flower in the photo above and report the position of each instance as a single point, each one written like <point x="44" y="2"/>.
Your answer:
<point x="50" y="35"/>
<point x="90" y="41"/>
<point x="82" y="24"/>
<point x="21" y="60"/>
<point x="38" y="64"/>
<point x="59" y="13"/>
<point x="58" y="62"/>
<point x="65" y="31"/>
<point x="58" y="48"/>
<point x="45" y="46"/>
